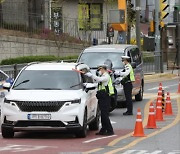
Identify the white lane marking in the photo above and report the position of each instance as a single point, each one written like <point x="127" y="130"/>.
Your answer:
<point x="113" y="122"/>
<point x="23" y="148"/>
<point x="99" y="138"/>
<point x="164" y="87"/>
<point x="147" y="152"/>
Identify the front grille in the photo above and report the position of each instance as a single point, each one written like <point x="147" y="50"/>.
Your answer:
<point x="39" y="123"/>
<point x="49" y="106"/>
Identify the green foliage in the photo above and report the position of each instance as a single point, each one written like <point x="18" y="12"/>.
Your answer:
<point x="28" y="59"/>
<point x="130" y="13"/>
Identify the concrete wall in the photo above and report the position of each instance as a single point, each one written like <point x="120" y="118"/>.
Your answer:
<point x="11" y="47"/>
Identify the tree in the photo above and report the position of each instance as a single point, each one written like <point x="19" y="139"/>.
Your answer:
<point x="130" y="19"/>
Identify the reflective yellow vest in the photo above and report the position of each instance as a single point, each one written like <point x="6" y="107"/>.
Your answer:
<point x="110" y="87"/>
<point x="132" y="78"/>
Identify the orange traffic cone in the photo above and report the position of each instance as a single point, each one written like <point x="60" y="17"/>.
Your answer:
<point x="138" y="131"/>
<point x="160" y="88"/>
<point x="151" y="119"/>
<point x="168" y="107"/>
<point x="159" y="115"/>
<point x="159" y="98"/>
<point x="178" y="88"/>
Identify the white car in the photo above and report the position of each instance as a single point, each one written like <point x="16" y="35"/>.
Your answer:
<point x="50" y="97"/>
<point x="3" y="78"/>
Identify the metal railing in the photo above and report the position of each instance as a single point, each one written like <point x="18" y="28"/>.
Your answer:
<point x="33" y="26"/>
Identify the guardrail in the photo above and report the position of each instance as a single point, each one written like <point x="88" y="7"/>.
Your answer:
<point x="13" y="70"/>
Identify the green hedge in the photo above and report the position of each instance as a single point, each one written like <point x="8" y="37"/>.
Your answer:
<point x="28" y="59"/>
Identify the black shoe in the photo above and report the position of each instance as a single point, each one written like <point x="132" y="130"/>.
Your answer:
<point x="127" y="113"/>
<point x="100" y="133"/>
<point x="109" y="133"/>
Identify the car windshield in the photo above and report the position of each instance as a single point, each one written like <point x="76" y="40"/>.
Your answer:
<point x="93" y="59"/>
<point x="48" y="80"/>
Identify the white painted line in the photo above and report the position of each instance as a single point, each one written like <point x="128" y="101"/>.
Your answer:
<point x="164" y="87"/>
<point x="99" y="138"/>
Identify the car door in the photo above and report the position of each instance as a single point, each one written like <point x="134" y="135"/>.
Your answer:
<point x="91" y="100"/>
<point x="136" y="57"/>
<point x="3" y="78"/>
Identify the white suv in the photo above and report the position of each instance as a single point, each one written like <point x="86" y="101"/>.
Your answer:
<point x="50" y="97"/>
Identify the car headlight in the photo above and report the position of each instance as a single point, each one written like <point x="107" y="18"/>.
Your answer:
<point x="7" y="101"/>
<point x="76" y="101"/>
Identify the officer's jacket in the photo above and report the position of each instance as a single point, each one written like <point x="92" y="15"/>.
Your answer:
<point x="128" y="72"/>
<point x="104" y="82"/>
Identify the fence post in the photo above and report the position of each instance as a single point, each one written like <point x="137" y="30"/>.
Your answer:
<point x="15" y="70"/>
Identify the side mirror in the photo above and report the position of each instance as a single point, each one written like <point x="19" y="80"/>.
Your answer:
<point x="133" y="64"/>
<point x="89" y="86"/>
<point x="6" y="86"/>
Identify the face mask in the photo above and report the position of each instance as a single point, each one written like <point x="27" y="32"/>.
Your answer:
<point x="100" y="73"/>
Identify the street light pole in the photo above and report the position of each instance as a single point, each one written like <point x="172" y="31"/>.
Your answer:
<point x="138" y="38"/>
<point x="157" y="51"/>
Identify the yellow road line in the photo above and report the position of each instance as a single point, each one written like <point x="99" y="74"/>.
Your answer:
<point x="177" y="119"/>
<point x="125" y="136"/>
<point x="144" y="123"/>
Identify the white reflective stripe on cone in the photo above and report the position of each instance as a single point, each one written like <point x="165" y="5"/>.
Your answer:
<point x="139" y="120"/>
<point x="138" y="113"/>
<point x="151" y="113"/>
<point x="159" y="107"/>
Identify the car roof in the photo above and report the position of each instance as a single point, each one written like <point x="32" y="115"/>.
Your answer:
<point x="55" y="66"/>
<point x="105" y="48"/>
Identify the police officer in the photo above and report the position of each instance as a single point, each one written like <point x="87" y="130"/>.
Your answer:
<point x="105" y="89"/>
<point x="127" y="79"/>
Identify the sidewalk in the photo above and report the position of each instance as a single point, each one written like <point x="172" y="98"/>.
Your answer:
<point x="167" y="75"/>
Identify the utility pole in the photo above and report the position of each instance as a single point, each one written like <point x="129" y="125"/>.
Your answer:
<point x="138" y="38"/>
<point x="157" y="51"/>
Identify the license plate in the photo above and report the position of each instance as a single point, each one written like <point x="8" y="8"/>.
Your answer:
<point x="39" y="116"/>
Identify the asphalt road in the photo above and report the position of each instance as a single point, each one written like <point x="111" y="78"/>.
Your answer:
<point x="164" y="140"/>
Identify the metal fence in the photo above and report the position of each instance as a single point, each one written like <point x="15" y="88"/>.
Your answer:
<point x="13" y="70"/>
<point x="33" y="26"/>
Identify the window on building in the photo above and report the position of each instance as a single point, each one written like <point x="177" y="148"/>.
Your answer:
<point x="90" y="16"/>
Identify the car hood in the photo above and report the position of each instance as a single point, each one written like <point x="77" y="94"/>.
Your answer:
<point x="44" y="95"/>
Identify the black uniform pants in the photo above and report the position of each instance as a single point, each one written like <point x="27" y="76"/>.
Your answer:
<point x="128" y="95"/>
<point x="104" y="101"/>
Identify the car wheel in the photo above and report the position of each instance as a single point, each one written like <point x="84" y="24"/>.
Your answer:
<point x="83" y="132"/>
<point x="94" y="125"/>
<point x="7" y="132"/>
<point x="139" y="96"/>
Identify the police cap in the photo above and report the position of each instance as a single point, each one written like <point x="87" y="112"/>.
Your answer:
<point x="125" y="57"/>
<point x="102" y="66"/>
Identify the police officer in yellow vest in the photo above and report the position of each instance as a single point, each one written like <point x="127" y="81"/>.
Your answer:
<point x="105" y="90"/>
<point x="127" y="78"/>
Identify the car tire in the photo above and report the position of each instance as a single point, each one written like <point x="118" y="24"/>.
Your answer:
<point x="94" y="125"/>
<point x="83" y="132"/>
<point x="7" y="132"/>
<point x="139" y="96"/>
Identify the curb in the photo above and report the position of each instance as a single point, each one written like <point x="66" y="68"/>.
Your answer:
<point x="159" y="77"/>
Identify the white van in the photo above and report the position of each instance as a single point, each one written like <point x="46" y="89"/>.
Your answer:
<point x="95" y="55"/>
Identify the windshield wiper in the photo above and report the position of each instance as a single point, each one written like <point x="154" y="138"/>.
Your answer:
<point x="47" y="89"/>
<point x="93" y="67"/>
<point x="21" y="83"/>
<point x="75" y="85"/>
